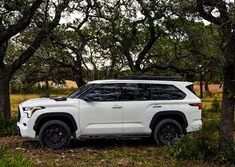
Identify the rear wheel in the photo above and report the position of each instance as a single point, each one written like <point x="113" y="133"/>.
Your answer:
<point x="54" y="134"/>
<point x="166" y="131"/>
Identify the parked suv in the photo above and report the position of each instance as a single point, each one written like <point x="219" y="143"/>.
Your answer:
<point x="130" y="107"/>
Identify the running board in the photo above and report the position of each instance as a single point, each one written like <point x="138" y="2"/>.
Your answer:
<point x="108" y="136"/>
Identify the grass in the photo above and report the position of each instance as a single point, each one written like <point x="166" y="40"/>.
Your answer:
<point x="103" y="153"/>
<point x="16" y="99"/>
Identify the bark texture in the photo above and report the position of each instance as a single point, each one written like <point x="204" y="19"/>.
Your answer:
<point x="4" y="94"/>
<point x="228" y="101"/>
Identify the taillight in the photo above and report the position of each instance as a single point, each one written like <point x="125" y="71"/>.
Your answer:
<point x="199" y="105"/>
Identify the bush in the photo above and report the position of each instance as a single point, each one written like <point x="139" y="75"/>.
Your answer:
<point x="13" y="160"/>
<point x="215" y="105"/>
<point x="203" y="145"/>
<point x="8" y="127"/>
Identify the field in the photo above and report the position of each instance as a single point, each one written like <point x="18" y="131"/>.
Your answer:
<point x="127" y="153"/>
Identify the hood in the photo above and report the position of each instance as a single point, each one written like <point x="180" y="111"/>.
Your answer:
<point x="51" y="101"/>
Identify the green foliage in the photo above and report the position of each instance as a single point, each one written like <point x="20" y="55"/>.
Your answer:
<point x="215" y="105"/>
<point x="203" y="145"/>
<point x="8" y="127"/>
<point x="13" y="160"/>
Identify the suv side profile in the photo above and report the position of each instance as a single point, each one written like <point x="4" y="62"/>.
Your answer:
<point x="129" y="107"/>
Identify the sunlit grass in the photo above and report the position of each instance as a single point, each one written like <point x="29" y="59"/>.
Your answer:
<point x="16" y="99"/>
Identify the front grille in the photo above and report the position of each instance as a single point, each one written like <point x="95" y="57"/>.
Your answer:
<point x="19" y="114"/>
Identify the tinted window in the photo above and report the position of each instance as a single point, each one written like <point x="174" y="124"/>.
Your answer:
<point x="81" y="90"/>
<point x="165" y="92"/>
<point x="137" y="92"/>
<point x="190" y="87"/>
<point x="105" y="92"/>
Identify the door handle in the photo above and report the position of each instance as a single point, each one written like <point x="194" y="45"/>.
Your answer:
<point x="156" y="106"/>
<point x="116" y="107"/>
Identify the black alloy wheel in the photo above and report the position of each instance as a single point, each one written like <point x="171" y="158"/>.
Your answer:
<point x="166" y="131"/>
<point x="54" y="134"/>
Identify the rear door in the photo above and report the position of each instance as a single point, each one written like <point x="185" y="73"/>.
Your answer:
<point x="138" y="108"/>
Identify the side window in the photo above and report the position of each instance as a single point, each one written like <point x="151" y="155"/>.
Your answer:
<point x="104" y="92"/>
<point x="137" y="92"/>
<point x="165" y="92"/>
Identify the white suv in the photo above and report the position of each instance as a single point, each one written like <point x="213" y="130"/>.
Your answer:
<point x="131" y="107"/>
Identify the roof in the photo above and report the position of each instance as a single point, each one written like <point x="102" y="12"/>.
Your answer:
<point x="139" y="81"/>
<point x="162" y="78"/>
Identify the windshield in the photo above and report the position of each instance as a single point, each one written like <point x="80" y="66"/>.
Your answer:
<point x="80" y="91"/>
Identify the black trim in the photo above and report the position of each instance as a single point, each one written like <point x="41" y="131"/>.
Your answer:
<point x="116" y="135"/>
<point x="162" y="78"/>
<point x="55" y="116"/>
<point x="58" y="98"/>
<point x="168" y="114"/>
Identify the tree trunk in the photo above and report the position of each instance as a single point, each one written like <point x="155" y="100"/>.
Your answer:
<point x="79" y="81"/>
<point x="227" y="113"/>
<point x="5" y="110"/>
<point x="207" y="90"/>
<point x="201" y="86"/>
<point x="78" y="70"/>
<point x="190" y="77"/>
<point x="47" y="89"/>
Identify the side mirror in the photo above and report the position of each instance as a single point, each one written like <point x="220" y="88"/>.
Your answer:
<point x="88" y="98"/>
<point x="91" y="98"/>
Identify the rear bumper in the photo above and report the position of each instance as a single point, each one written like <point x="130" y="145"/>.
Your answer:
<point x="195" y="125"/>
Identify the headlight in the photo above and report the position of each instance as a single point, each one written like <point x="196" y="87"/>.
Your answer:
<point x="31" y="110"/>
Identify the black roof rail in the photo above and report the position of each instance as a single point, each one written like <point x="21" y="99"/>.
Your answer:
<point x="162" y="78"/>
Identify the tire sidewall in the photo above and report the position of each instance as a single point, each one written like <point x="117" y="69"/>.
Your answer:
<point x="61" y="124"/>
<point x="158" y="127"/>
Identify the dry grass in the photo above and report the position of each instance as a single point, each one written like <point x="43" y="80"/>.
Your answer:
<point x="17" y="99"/>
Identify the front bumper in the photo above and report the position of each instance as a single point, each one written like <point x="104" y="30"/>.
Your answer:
<point x="24" y="124"/>
<point x="18" y="130"/>
<point x="25" y="131"/>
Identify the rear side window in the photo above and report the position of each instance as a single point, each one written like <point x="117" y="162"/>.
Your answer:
<point x="165" y="92"/>
<point x="190" y="87"/>
<point x="137" y="92"/>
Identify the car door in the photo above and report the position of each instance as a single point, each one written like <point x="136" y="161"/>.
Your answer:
<point x="139" y="108"/>
<point x="101" y="110"/>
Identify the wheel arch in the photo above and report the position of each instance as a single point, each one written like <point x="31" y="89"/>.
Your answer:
<point x="173" y="114"/>
<point x="64" y="117"/>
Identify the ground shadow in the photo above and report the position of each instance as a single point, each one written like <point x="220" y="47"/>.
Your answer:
<point x="96" y="143"/>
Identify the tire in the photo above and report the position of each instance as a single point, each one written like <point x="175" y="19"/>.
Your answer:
<point x="54" y="134"/>
<point x="166" y="131"/>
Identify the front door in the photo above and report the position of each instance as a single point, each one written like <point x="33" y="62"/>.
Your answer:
<point x="101" y="110"/>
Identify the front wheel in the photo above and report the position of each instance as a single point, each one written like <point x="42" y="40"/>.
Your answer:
<point x="166" y="131"/>
<point x="54" y="134"/>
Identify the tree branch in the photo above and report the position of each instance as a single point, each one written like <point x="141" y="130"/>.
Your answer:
<point x="152" y="36"/>
<point x="25" y="55"/>
<point x="22" y="23"/>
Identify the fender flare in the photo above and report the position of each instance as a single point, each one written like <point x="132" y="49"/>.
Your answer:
<point x="56" y="115"/>
<point x="168" y="114"/>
